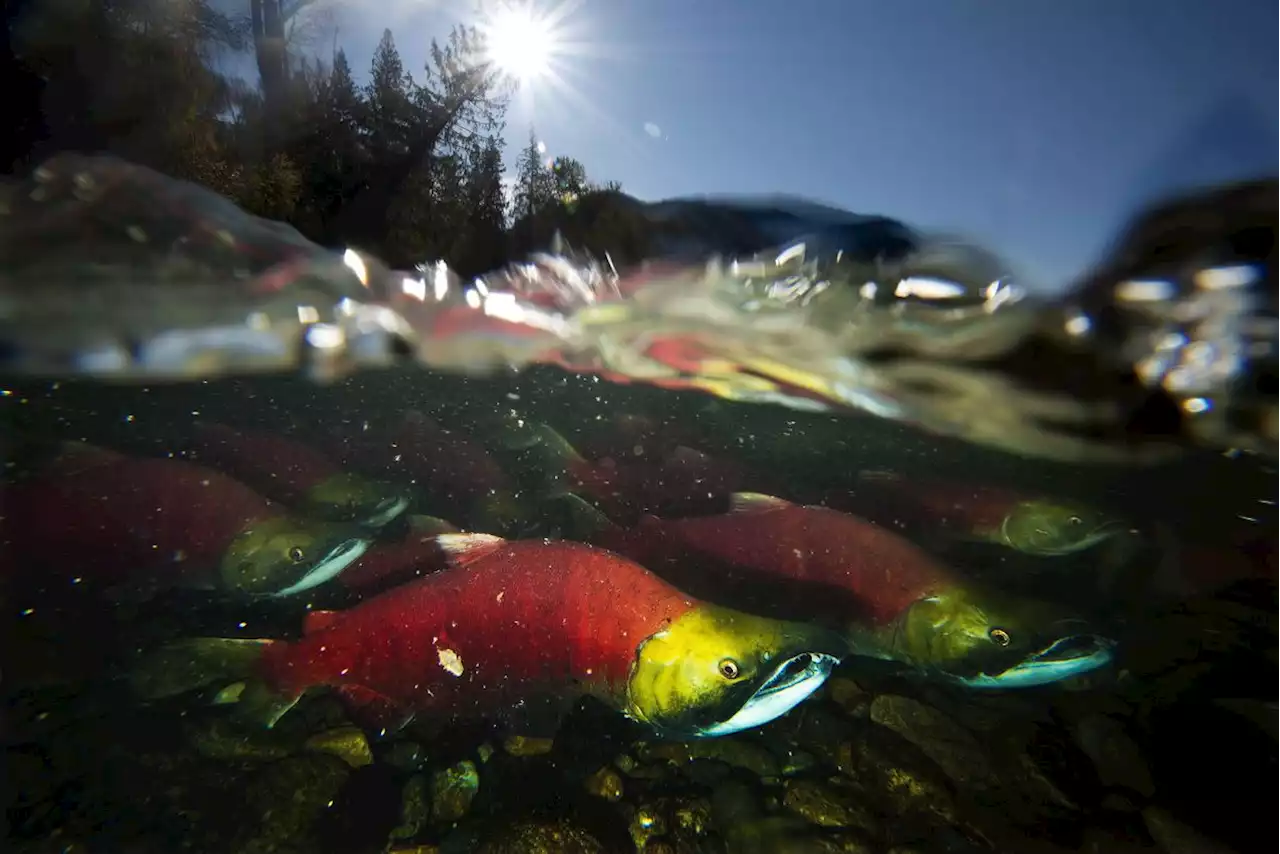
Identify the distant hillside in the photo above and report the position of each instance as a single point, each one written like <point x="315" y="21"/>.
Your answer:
<point x="630" y="230"/>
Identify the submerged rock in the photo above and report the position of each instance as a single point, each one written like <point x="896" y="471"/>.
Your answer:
<point x="849" y="696"/>
<point x="415" y="808"/>
<point x="348" y="743"/>
<point x="1109" y="841"/>
<point x="1261" y="713"/>
<point x="530" y="837"/>
<point x="1117" y="759"/>
<point x="952" y="747"/>
<point x="520" y="745"/>
<point x="606" y="783"/>
<point x="219" y="738"/>
<point x="1174" y="837"/>
<point x="740" y="816"/>
<point x="288" y="797"/>
<point x="912" y="792"/>
<point x="828" y="804"/>
<point x="737" y="752"/>
<point x="405" y="756"/>
<point x="692" y="817"/>
<point x="678" y="825"/>
<point x="453" y="790"/>
<point x="1037" y="786"/>
<point x="647" y="821"/>
<point x="798" y="762"/>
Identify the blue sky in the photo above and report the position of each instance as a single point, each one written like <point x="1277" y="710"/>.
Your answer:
<point x="1031" y="126"/>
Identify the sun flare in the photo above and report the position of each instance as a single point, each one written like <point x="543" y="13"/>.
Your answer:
<point x="520" y="42"/>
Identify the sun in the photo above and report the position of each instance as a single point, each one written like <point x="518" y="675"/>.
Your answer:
<point x="520" y="41"/>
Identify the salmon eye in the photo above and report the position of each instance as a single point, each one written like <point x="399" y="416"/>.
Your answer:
<point x="729" y="668"/>
<point x="296" y="554"/>
<point x="999" y="637"/>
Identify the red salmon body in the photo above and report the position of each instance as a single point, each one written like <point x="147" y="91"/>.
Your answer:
<point x="271" y="464"/>
<point x="902" y="503"/>
<point x="628" y="435"/>
<point x="116" y="517"/>
<point x="681" y="483"/>
<point x="421" y="451"/>
<point x="768" y="554"/>
<point x="512" y="621"/>
<point x="1199" y="569"/>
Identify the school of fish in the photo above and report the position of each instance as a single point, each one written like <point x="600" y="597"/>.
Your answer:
<point x="499" y="571"/>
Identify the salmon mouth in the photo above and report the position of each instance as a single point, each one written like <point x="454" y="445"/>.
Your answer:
<point x="791" y="682"/>
<point x="328" y="567"/>
<point x="1067" y="656"/>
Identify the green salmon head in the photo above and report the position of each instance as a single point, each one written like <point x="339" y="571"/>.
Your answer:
<point x="285" y="555"/>
<point x="352" y="498"/>
<point x="984" y="639"/>
<point x="714" y="671"/>
<point x="1047" y="528"/>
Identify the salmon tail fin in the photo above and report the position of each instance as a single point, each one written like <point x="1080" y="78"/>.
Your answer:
<point x="575" y="518"/>
<point x="73" y="455"/>
<point x="192" y="664"/>
<point x="538" y="452"/>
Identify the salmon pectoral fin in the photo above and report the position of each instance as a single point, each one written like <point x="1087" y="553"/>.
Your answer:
<point x="373" y="709"/>
<point x="257" y="705"/>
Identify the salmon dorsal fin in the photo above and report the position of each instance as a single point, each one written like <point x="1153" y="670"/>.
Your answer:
<point x="85" y="454"/>
<point x="879" y="476"/>
<point x="431" y="526"/>
<point x="578" y="518"/>
<point x="684" y="455"/>
<point x="318" y="621"/>
<point x="213" y="428"/>
<point x="755" y="502"/>
<point x="464" y="549"/>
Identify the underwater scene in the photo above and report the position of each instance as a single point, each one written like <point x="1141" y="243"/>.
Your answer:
<point x="409" y="611"/>
<point x="362" y="495"/>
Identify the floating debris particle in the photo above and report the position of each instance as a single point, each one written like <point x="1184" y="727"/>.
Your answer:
<point x="450" y="660"/>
